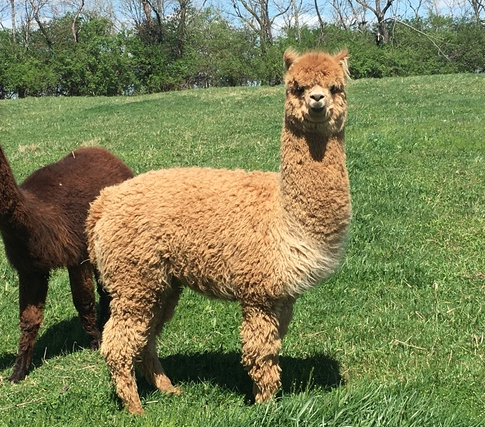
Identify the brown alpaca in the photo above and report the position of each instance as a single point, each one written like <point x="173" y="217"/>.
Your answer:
<point x="42" y="223"/>
<point x="260" y="238"/>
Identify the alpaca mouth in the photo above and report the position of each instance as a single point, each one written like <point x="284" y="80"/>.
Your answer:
<point x="318" y="110"/>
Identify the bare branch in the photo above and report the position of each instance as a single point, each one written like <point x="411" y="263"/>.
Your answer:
<point x="386" y="7"/>
<point x="478" y="7"/>
<point x="415" y="7"/>
<point x="36" y="8"/>
<point x="382" y="33"/>
<point x="425" y="35"/>
<point x="319" y="16"/>
<point x="14" y="24"/>
<point x="74" y="21"/>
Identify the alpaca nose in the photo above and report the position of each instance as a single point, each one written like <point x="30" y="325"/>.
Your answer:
<point x="317" y="96"/>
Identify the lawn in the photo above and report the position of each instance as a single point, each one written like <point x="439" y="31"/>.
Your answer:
<point x="394" y="338"/>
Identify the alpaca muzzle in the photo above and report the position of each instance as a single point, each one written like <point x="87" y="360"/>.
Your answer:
<point x="317" y="102"/>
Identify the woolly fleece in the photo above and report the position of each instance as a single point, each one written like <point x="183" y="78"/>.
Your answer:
<point x="261" y="238"/>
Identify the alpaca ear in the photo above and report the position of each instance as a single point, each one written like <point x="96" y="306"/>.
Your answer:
<point x="289" y="57"/>
<point x="342" y="57"/>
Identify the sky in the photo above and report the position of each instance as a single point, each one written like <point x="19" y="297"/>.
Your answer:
<point x="400" y="8"/>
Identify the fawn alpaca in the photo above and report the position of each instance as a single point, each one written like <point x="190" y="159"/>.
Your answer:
<point x="261" y="238"/>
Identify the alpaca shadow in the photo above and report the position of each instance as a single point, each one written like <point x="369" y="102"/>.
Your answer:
<point x="65" y="337"/>
<point x="226" y="371"/>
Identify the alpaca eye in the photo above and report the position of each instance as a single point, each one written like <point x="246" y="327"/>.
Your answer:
<point x="298" y="90"/>
<point x="334" y="90"/>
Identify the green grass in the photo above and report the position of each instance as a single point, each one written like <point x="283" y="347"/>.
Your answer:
<point x="394" y="338"/>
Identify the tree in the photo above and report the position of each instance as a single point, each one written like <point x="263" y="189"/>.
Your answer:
<point x="224" y="53"/>
<point x="293" y="16"/>
<point x="478" y="7"/>
<point x="346" y="15"/>
<point x="256" y="15"/>
<point x="14" y="24"/>
<point x="379" y="9"/>
<point x="75" y="17"/>
<point x="36" y="7"/>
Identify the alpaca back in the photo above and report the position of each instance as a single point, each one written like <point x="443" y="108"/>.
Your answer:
<point x="221" y="232"/>
<point x="46" y="229"/>
<point x="208" y="216"/>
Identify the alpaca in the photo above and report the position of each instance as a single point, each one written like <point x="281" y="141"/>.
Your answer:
<point x="42" y="223"/>
<point x="261" y="238"/>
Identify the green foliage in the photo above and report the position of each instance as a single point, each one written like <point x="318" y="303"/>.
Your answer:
<point x="224" y="55"/>
<point x="21" y="72"/>
<point x="469" y="52"/>
<point x="95" y="65"/>
<point x="206" y="50"/>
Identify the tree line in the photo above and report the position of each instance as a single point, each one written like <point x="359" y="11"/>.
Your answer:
<point x="87" y="53"/>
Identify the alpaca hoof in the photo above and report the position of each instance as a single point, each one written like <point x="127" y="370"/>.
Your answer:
<point x="135" y="409"/>
<point x="260" y="399"/>
<point x="17" y="376"/>
<point x="263" y="396"/>
<point x="176" y="391"/>
<point x="94" y="345"/>
<point x="14" y="379"/>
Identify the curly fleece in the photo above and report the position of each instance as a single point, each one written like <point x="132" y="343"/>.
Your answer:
<point x="261" y="238"/>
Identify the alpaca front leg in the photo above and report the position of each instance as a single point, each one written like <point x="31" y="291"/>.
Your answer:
<point x="82" y="289"/>
<point x="32" y="295"/>
<point x="260" y="346"/>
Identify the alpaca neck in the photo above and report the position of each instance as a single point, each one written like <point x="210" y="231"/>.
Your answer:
<point x="11" y="198"/>
<point x="315" y="186"/>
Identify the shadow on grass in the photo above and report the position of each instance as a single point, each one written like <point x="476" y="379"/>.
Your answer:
<point x="225" y="370"/>
<point x="64" y="337"/>
<point x="222" y="369"/>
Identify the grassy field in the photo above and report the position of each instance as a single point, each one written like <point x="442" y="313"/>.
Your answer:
<point x="394" y="338"/>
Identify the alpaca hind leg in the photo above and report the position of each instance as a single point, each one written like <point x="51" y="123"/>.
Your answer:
<point x="285" y="314"/>
<point x="152" y="368"/>
<point x="82" y="289"/>
<point x="104" y="301"/>
<point x="150" y="363"/>
<point x="32" y="295"/>
<point x="260" y="346"/>
<point x="124" y="338"/>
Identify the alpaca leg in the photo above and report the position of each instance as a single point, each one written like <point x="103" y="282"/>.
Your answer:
<point x="260" y="346"/>
<point x="150" y="364"/>
<point x="124" y="338"/>
<point x="32" y="295"/>
<point x="104" y="301"/>
<point x="285" y="314"/>
<point x="152" y="368"/>
<point x="82" y="289"/>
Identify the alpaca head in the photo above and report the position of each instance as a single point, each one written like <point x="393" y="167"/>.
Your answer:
<point x="315" y="91"/>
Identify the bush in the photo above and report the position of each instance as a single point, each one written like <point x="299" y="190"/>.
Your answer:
<point x="210" y="51"/>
